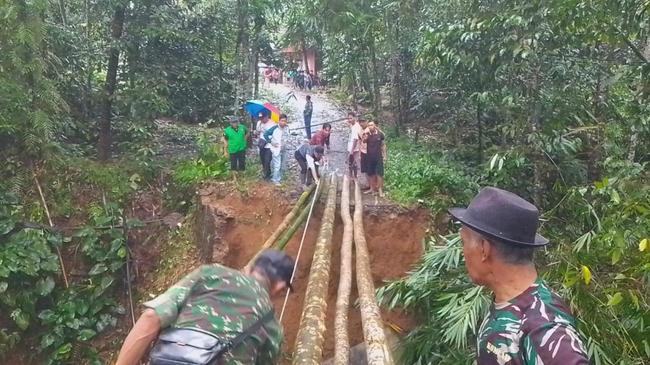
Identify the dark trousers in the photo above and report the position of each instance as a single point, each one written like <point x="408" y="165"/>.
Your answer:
<point x="265" y="158"/>
<point x="308" y="125"/>
<point x="305" y="174"/>
<point x="238" y="161"/>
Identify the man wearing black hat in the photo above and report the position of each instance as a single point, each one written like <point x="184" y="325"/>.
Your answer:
<point x="214" y="304"/>
<point x="527" y="323"/>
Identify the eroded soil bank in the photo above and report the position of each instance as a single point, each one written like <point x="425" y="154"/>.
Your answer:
<point x="233" y="223"/>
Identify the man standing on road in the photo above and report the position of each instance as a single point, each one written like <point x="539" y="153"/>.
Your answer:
<point x="265" y="154"/>
<point x="373" y="161"/>
<point x="528" y="324"/>
<point x="307" y="156"/>
<point x="354" y="154"/>
<point x="234" y="140"/>
<point x="217" y="302"/>
<point x="278" y="148"/>
<point x="322" y="137"/>
<point x="309" y="108"/>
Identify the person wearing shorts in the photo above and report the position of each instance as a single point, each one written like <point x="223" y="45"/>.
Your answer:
<point x="374" y="158"/>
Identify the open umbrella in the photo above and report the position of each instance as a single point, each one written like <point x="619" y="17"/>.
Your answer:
<point x="255" y="107"/>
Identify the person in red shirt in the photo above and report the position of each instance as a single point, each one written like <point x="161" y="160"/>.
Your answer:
<point x="322" y="137"/>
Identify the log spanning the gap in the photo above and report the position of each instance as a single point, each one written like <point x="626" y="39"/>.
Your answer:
<point x="309" y="340"/>
<point x="341" y="338"/>
<point x="284" y="225"/>
<point x="377" y="347"/>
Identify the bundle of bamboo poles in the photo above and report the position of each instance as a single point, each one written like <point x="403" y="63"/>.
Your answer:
<point x="309" y="340"/>
<point x="299" y="211"/>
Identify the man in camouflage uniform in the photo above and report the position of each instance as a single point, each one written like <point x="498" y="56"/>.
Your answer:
<point x="222" y="301"/>
<point x="527" y="324"/>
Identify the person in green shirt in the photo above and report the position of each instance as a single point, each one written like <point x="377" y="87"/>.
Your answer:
<point x="224" y="302"/>
<point x="234" y="140"/>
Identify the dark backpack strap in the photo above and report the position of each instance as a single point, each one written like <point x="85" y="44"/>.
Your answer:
<point x="250" y="330"/>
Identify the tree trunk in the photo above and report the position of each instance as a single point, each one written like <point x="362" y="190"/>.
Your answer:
<point x="242" y="54"/>
<point x="396" y="98"/>
<point x="479" y="122"/>
<point x="310" y="337"/>
<point x="285" y="223"/>
<point x="303" y="45"/>
<point x="341" y="339"/>
<point x="643" y="96"/>
<point x="377" y="346"/>
<point x="105" y="140"/>
<point x="375" y="78"/>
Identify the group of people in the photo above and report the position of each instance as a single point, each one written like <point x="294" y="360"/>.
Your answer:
<point x="366" y="153"/>
<point x="272" y="75"/>
<point x="224" y="314"/>
<point x="303" y="80"/>
<point x="220" y="314"/>
<point x="273" y="143"/>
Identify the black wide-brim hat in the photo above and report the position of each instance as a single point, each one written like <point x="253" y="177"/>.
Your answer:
<point x="502" y="215"/>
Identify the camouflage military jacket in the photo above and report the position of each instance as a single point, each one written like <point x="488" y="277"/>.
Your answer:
<point x="535" y="328"/>
<point x="225" y="302"/>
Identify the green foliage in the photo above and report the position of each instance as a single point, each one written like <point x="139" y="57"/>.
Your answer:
<point x="414" y="173"/>
<point x="32" y="298"/>
<point x="451" y="307"/>
<point x="210" y="164"/>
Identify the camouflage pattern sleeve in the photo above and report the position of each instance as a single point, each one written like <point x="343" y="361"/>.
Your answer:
<point x="170" y="302"/>
<point x="554" y="343"/>
<point x="270" y="352"/>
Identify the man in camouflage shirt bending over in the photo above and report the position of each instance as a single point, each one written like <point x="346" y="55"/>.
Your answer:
<point x="222" y="301"/>
<point x="528" y="324"/>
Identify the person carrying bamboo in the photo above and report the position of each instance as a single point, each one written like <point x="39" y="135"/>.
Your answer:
<point x="308" y="157"/>
<point x="528" y="324"/>
<point x="214" y="315"/>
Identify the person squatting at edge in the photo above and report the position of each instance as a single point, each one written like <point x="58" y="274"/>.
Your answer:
<point x="307" y="156"/>
<point x="235" y="138"/>
<point x="528" y="324"/>
<point x="224" y="302"/>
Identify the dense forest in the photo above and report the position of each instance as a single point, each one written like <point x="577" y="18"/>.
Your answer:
<point x="549" y="99"/>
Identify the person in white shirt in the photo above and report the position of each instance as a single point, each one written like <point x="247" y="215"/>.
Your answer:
<point x="263" y="125"/>
<point x="354" y="155"/>
<point x="278" y="146"/>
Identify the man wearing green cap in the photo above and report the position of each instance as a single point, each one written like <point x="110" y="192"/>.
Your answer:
<point x="221" y="302"/>
<point x="528" y="324"/>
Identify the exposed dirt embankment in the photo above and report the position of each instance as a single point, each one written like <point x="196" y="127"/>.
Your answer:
<point x="233" y="224"/>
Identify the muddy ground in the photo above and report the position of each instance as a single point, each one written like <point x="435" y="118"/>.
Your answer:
<point x="245" y="220"/>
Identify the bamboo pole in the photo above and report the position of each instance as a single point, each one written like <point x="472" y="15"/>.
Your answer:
<point x="284" y="225"/>
<point x="341" y="338"/>
<point x="297" y="223"/>
<point x="49" y="220"/>
<point x="377" y="348"/>
<point x="310" y="337"/>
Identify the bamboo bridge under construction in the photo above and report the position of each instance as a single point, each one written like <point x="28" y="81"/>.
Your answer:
<point x="308" y="346"/>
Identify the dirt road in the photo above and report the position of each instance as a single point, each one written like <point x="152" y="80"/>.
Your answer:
<point x="292" y="102"/>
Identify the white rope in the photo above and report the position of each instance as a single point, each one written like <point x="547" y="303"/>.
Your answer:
<point x="304" y="233"/>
